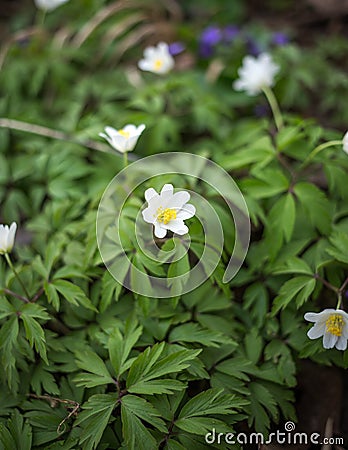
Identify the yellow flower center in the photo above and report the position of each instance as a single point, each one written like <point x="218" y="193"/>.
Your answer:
<point x="158" y="64"/>
<point x="165" y="215"/>
<point x="335" y="324"/>
<point x="124" y="133"/>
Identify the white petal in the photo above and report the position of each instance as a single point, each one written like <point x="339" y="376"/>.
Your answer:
<point x="131" y="143"/>
<point x="317" y="331"/>
<point x="11" y="236"/>
<point x="186" y="212"/>
<point x="130" y="128"/>
<point x="159" y="231"/>
<point x="238" y="85"/>
<point x="342" y="313"/>
<point x="150" y="193"/>
<point x="167" y="187"/>
<point x="144" y="64"/>
<point x="177" y="226"/>
<point x="179" y="199"/>
<point x="323" y="315"/>
<point x="119" y="143"/>
<point x="329" y="340"/>
<point x="149" y="215"/>
<point x="166" y="196"/>
<point x="149" y="52"/>
<point x="111" y="131"/>
<point x="141" y="128"/>
<point x="345" y="143"/>
<point x="3" y="239"/>
<point x="341" y="343"/>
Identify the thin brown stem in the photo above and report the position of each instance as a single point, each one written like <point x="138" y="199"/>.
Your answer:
<point x="327" y="284"/>
<point x="49" y="132"/>
<point x="14" y="294"/>
<point x="344" y="285"/>
<point x="53" y="403"/>
<point x="37" y="295"/>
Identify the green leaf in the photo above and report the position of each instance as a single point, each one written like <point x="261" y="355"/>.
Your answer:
<point x="193" y="332"/>
<point x="135" y="434"/>
<point x="261" y="402"/>
<point x="338" y="250"/>
<point x="94" y="419"/>
<point x="144" y="410"/>
<point x="73" y="294"/>
<point x="161" y="386"/>
<point x="35" y="335"/>
<point x="17" y="434"/>
<point x="212" y="401"/>
<point x="6" y="309"/>
<point x="293" y="265"/>
<point x="201" y="425"/>
<point x="148" y="366"/>
<point x="316" y="206"/>
<point x="92" y="363"/>
<point x="269" y="182"/>
<point x="8" y="340"/>
<point x="120" y="346"/>
<point x="52" y="295"/>
<point x="300" y="287"/>
<point x="253" y="345"/>
<point x="111" y="290"/>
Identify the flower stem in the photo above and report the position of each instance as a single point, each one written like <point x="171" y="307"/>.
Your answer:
<point x="278" y="119"/>
<point x="9" y="262"/>
<point x="340" y="292"/>
<point x="40" y="18"/>
<point x="318" y="149"/>
<point x="125" y="159"/>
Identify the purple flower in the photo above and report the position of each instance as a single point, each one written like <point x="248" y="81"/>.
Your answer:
<point x="209" y="38"/>
<point x="280" y="38"/>
<point x="176" y="47"/>
<point x="230" y="33"/>
<point x="261" y="110"/>
<point x="254" y="48"/>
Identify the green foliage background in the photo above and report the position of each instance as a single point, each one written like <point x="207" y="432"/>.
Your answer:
<point x="86" y="364"/>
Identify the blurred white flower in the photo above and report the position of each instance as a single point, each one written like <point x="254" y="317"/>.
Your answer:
<point x="49" y="5"/>
<point x="157" y="59"/>
<point x="345" y="143"/>
<point x="332" y="324"/>
<point x="167" y="211"/>
<point x="256" y="74"/>
<point x="123" y="140"/>
<point x="7" y="237"/>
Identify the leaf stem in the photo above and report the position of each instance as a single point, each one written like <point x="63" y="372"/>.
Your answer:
<point x="53" y="134"/>
<point x="278" y="119"/>
<point x="9" y="262"/>
<point x="340" y="292"/>
<point x="125" y="159"/>
<point x="318" y="149"/>
<point x="14" y="294"/>
<point x="53" y="402"/>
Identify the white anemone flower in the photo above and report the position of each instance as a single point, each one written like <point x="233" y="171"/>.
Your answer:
<point x="7" y="237"/>
<point x="345" y="143"/>
<point x="332" y="324"/>
<point x="49" y="5"/>
<point x="125" y="139"/>
<point x="256" y="74"/>
<point x="157" y="59"/>
<point x="167" y="211"/>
